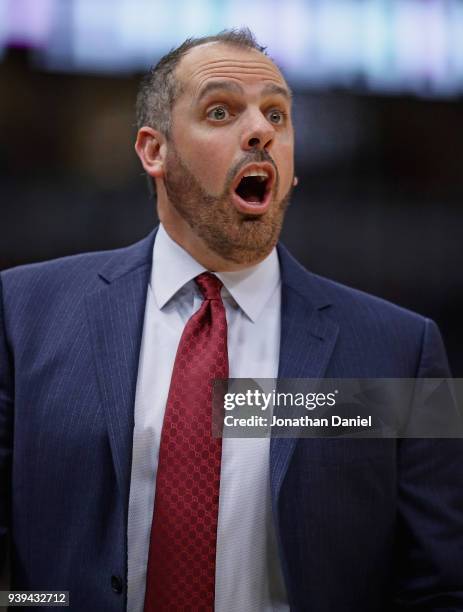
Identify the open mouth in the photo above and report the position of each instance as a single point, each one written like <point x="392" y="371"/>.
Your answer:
<point x="253" y="188"/>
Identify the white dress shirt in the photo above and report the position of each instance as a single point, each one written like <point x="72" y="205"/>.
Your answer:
<point x="248" y="572"/>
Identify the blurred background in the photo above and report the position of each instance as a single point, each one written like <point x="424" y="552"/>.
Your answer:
<point x="378" y="113"/>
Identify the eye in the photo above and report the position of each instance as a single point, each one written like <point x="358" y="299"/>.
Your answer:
<point x="276" y="116"/>
<point x="218" y="113"/>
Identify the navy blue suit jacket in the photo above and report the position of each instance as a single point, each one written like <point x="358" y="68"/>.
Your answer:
<point x="362" y="525"/>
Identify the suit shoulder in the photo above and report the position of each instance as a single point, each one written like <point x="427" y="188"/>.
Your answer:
<point x="50" y="277"/>
<point x="79" y="270"/>
<point x="38" y="296"/>
<point x="357" y="301"/>
<point x="61" y="264"/>
<point x="376" y="331"/>
<point x="347" y="301"/>
<point x="358" y="312"/>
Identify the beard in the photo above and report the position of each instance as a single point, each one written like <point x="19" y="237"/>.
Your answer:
<point x="237" y="237"/>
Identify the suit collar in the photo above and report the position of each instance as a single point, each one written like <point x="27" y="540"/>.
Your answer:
<point x="129" y="259"/>
<point x="296" y="278"/>
<point x="308" y="332"/>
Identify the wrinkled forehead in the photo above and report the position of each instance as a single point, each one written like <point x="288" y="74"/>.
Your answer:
<point x="224" y="61"/>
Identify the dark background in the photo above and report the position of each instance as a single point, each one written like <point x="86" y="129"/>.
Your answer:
<point x="378" y="206"/>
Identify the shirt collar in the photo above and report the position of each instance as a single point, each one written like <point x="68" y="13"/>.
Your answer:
<point x="173" y="268"/>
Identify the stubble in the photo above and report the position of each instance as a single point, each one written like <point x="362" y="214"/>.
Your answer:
<point x="240" y="238"/>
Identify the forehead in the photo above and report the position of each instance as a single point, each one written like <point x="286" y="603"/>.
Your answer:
<point x="219" y="61"/>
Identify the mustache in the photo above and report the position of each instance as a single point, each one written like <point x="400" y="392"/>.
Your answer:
<point x="255" y="156"/>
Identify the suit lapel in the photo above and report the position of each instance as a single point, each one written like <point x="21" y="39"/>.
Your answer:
<point x="116" y="313"/>
<point x="308" y="338"/>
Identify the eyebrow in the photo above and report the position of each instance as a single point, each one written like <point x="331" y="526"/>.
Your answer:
<point x="220" y="85"/>
<point x="270" y="88"/>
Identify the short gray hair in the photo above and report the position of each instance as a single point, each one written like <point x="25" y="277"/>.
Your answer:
<point x="159" y="88"/>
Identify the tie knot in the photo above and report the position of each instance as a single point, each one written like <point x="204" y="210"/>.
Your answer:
<point x="209" y="285"/>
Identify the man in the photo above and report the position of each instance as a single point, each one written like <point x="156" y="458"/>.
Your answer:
<point x="113" y="487"/>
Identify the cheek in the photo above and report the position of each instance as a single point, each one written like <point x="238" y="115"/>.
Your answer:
<point x="286" y="168"/>
<point x="211" y="172"/>
<point x="209" y="161"/>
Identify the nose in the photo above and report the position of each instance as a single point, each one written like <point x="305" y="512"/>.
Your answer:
<point x="258" y="134"/>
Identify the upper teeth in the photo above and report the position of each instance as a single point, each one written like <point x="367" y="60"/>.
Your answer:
<point x="262" y="174"/>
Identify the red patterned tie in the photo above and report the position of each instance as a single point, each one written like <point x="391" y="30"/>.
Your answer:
<point x="181" y="562"/>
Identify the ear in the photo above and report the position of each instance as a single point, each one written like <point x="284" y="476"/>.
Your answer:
<point x="151" y="148"/>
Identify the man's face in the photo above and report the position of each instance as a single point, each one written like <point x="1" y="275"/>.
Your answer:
<point x="229" y="165"/>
